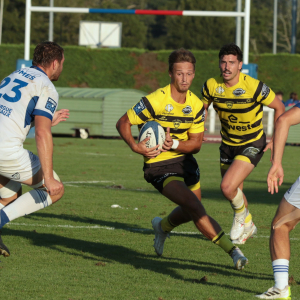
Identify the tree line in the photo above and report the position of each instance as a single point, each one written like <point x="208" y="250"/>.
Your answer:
<point x="156" y="32"/>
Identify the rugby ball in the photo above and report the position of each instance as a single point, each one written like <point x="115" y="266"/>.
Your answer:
<point x="156" y="133"/>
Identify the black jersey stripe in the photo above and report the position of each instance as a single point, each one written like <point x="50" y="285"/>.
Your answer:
<point x="149" y="107"/>
<point x="165" y="118"/>
<point x="200" y="113"/>
<point x="260" y="110"/>
<point x="234" y="100"/>
<point x="207" y="96"/>
<point x="242" y="138"/>
<point x="238" y="110"/>
<point x="258" y="90"/>
<point x="176" y="131"/>
<point x="143" y="117"/>
<point x="257" y="123"/>
<point x="201" y="121"/>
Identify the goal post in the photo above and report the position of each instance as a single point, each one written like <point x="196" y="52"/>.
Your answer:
<point x="186" y="13"/>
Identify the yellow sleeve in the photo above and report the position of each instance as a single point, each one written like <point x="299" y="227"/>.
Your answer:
<point x="139" y="113"/>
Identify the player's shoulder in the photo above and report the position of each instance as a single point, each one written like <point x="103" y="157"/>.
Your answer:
<point x="159" y="94"/>
<point x="211" y="82"/>
<point x="194" y="99"/>
<point x="248" y="81"/>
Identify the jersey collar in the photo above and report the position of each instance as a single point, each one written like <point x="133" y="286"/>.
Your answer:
<point x="39" y="69"/>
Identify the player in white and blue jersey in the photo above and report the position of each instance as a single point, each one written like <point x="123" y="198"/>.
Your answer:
<point x="288" y="212"/>
<point x="28" y="97"/>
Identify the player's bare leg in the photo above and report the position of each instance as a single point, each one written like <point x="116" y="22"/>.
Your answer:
<point x="285" y="220"/>
<point x="30" y="202"/>
<point x="9" y="191"/>
<point x="231" y="187"/>
<point x="189" y="203"/>
<point x="179" y="216"/>
<point x="279" y="240"/>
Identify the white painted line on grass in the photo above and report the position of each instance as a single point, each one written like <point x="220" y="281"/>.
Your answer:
<point x="101" y="154"/>
<point x="102" y="181"/>
<point x="62" y="226"/>
<point x="114" y="228"/>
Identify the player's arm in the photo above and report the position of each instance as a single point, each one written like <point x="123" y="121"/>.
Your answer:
<point x="124" y="129"/>
<point x="44" y="144"/>
<point x="206" y="106"/>
<point x="191" y="146"/>
<point x="279" y="108"/>
<point x="282" y="125"/>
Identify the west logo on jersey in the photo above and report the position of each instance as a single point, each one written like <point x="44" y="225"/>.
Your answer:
<point x="51" y="105"/>
<point x="232" y="118"/>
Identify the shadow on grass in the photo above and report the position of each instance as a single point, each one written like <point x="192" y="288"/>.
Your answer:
<point x="254" y="195"/>
<point x="77" y="221"/>
<point x="96" y="251"/>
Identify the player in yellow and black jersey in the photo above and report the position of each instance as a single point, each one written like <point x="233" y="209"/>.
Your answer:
<point x="238" y="99"/>
<point x="182" y="119"/>
<point x="175" y="172"/>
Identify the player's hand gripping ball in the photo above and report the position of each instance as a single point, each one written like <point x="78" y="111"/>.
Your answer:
<point x="156" y="133"/>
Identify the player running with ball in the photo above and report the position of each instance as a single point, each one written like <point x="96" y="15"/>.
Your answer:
<point x="175" y="172"/>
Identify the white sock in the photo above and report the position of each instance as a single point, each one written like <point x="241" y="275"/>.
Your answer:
<point x="25" y="205"/>
<point x="1" y="205"/>
<point x="237" y="202"/>
<point x="281" y="273"/>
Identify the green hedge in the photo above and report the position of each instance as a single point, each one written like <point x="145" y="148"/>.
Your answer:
<point x="147" y="71"/>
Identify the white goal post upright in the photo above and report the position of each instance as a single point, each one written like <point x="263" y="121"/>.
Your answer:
<point x="245" y="14"/>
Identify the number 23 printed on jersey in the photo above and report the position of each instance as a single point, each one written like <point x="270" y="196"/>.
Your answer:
<point x="15" y="89"/>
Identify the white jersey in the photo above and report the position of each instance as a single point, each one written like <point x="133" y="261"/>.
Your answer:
<point x="24" y="94"/>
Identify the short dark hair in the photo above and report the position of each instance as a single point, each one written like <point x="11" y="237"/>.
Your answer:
<point x="181" y="55"/>
<point x="279" y="93"/>
<point x="231" y="49"/>
<point x="293" y="96"/>
<point x="47" y="52"/>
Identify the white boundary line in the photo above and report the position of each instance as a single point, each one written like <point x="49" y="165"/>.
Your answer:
<point x="113" y="228"/>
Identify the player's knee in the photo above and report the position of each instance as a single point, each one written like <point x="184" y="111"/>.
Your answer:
<point x="226" y="189"/>
<point x="284" y="224"/>
<point x="10" y="191"/>
<point x="194" y="207"/>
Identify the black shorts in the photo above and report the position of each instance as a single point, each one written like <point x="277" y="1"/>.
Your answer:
<point x="184" y="168"/>
<point x="251" y="153"/>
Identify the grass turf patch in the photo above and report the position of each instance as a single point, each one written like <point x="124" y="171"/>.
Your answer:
<point x="82" y="248"/>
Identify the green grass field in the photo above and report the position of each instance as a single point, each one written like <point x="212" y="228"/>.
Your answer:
<point x="81" y="248"/>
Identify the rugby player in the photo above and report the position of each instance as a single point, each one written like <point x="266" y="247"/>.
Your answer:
<point x="27" y="97"/>
<point x="288" y="212"/>
<point x="238" y="99"/>
<point x="175" y="172"/>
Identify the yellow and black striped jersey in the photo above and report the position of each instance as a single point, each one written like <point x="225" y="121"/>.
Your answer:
<point x="181" y="118"/>
<point x="240" y="108"/>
